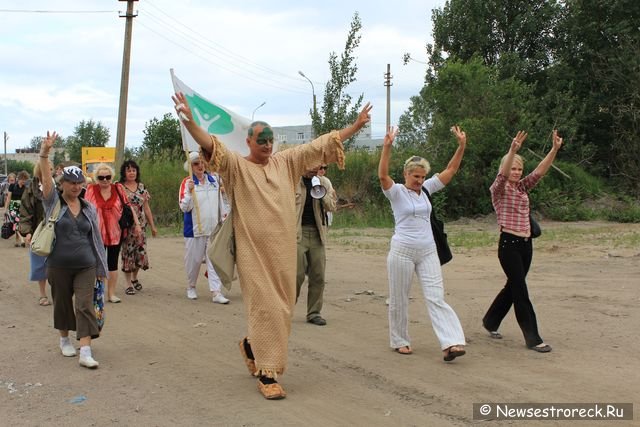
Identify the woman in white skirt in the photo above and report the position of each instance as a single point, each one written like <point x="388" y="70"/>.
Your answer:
<point x="413" y="249"/>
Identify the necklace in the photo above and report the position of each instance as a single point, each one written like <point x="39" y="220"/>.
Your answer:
<point x="415" y="215"/>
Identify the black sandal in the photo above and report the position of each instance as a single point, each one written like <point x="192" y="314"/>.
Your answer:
<point x="137" y="285"/>
<point x="130" y="291"/>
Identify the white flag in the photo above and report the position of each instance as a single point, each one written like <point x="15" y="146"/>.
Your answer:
<point x="229" y="127"/>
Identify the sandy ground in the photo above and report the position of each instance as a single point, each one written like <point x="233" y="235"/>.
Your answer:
<point x="165" y="360"/>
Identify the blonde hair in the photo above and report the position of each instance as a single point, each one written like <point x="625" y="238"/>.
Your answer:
<point x="516" y="158"/>
<point x="104" y="166"/>
<point x="414" y="162"/>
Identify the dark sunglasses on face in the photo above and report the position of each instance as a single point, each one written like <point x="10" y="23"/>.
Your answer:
<point x="104" y="177"/>
<point x="263" y="141"/>
<point x="324" y="167"/>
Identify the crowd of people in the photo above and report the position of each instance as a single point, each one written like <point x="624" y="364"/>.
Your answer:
<point x="282" y="204"/>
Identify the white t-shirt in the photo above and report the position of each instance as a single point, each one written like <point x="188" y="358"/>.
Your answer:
<point x="411" y="212"/>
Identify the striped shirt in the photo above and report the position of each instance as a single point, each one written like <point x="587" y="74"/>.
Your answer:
<point x="511" y="201"/>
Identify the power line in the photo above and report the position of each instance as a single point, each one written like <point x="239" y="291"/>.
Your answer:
<point x="222" y="49"/>
<point x="228" y="65"/>
<point x="215" y="63"/>
<point x="55" y="11"/>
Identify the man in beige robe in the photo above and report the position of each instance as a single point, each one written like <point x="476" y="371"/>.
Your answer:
<point x="261" y="188"/>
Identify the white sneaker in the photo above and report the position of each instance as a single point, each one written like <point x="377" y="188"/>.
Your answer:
<point x="220" y="299"/>
<point x="191" y="293"/>
<point x="88" y="362"/>
<point x="68" y="350"/>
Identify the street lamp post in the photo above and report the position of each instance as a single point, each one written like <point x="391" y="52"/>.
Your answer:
<point x="256" y="109"/>
<point x="313" y="91"/>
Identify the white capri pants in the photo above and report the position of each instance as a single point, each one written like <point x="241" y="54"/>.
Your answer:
<point x="195" y="253"/>
<point x="402" y="261"/>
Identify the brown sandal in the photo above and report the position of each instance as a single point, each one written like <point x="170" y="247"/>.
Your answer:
<point x="403" y="350"/>
<point x="453" y="352"/>
<point x="271" y="391"/>
<point x="43" y="301"/>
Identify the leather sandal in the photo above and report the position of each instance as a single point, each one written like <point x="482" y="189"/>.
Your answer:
<point x="130" y="291"/>
<point x="271" y="391"/>
<point x="453" y="352"/>
<point x="403" y="350"/>
<point x="137" y="285"/>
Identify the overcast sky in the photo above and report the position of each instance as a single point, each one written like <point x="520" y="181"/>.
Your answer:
<point x="60" y="68"/>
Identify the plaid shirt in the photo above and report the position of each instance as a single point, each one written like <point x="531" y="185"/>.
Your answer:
<point x="511" y="201"/>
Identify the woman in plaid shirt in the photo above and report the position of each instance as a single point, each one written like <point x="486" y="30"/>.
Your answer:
<point x="509" y="195"/>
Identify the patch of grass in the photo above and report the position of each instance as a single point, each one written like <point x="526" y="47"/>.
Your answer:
<point x="466" y="239"/>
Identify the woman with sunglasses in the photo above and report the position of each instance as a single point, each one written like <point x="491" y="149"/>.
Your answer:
<point x="108" y="198"/>
<point x="413" y="249"/>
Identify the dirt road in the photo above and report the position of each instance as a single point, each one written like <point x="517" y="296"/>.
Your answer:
<point x="168" y="361"/>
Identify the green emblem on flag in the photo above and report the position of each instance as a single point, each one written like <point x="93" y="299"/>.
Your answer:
<point x="210" y="116"/>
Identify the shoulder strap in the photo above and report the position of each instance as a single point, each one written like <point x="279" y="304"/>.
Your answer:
<point x="119" y="191"/>
<point x="56" y="211"/>
<point x="427" y="193"/>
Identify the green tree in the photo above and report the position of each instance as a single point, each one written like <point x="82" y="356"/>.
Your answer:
<point x="600" y="55"/>
<point x="162" y="137"/>
<point x="337" y="111"/>
<point x="470" y="95"/>
<point x="86" y="134"/>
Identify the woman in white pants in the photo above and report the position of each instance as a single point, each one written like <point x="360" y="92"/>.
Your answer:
<point x="413" y="249"/>
<point x="200" y="200"/>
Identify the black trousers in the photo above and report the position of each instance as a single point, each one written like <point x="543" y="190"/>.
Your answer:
<point x="515" y="254"/>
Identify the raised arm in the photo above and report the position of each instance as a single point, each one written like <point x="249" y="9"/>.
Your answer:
<point x="383" y="167"/>
<point x="545" y="163"/>
<point x="362" y="119"/>
<point x="186" y="117"/>
<point x="516" y="143"/>
<point x="45" y="166"/>
<point x="454" y="164"/>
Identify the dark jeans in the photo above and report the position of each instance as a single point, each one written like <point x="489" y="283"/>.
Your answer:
<point x="515" y="255"/>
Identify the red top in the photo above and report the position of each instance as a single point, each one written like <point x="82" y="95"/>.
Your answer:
<point x="109" y="212"/>
<point x="511" y="201"/>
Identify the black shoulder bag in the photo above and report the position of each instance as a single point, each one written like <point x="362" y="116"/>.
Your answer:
<point x="126" y="220"/>
<point x="440" y="237"/>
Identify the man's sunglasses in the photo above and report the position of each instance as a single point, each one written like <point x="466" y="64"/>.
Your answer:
<point x="103" y="177"/>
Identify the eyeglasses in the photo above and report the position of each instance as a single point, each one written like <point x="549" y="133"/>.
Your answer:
<point x="103" y="177"/>
<point x="264" y="141"/>
<point x="324" y="167"/>
<point x="416" y="159"/>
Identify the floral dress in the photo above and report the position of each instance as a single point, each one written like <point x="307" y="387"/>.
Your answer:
<point x="13" y="213"/>
<point x="134" y="247"/>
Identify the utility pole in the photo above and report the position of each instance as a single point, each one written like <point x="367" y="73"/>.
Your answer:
<point x="388" y="84"/>
<point x="124" y="83"/>
<point x="6" y="138"/>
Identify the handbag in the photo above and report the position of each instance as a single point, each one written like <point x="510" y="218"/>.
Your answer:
<point x="536" y="231"/>
<point x="44" y="237"/>
<point x="98" y="302"/>
<point x="440" y="237"/>
<point x="222" y="248"/>
<point x="126" y="219"/>
<point x="7" y="227"/>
